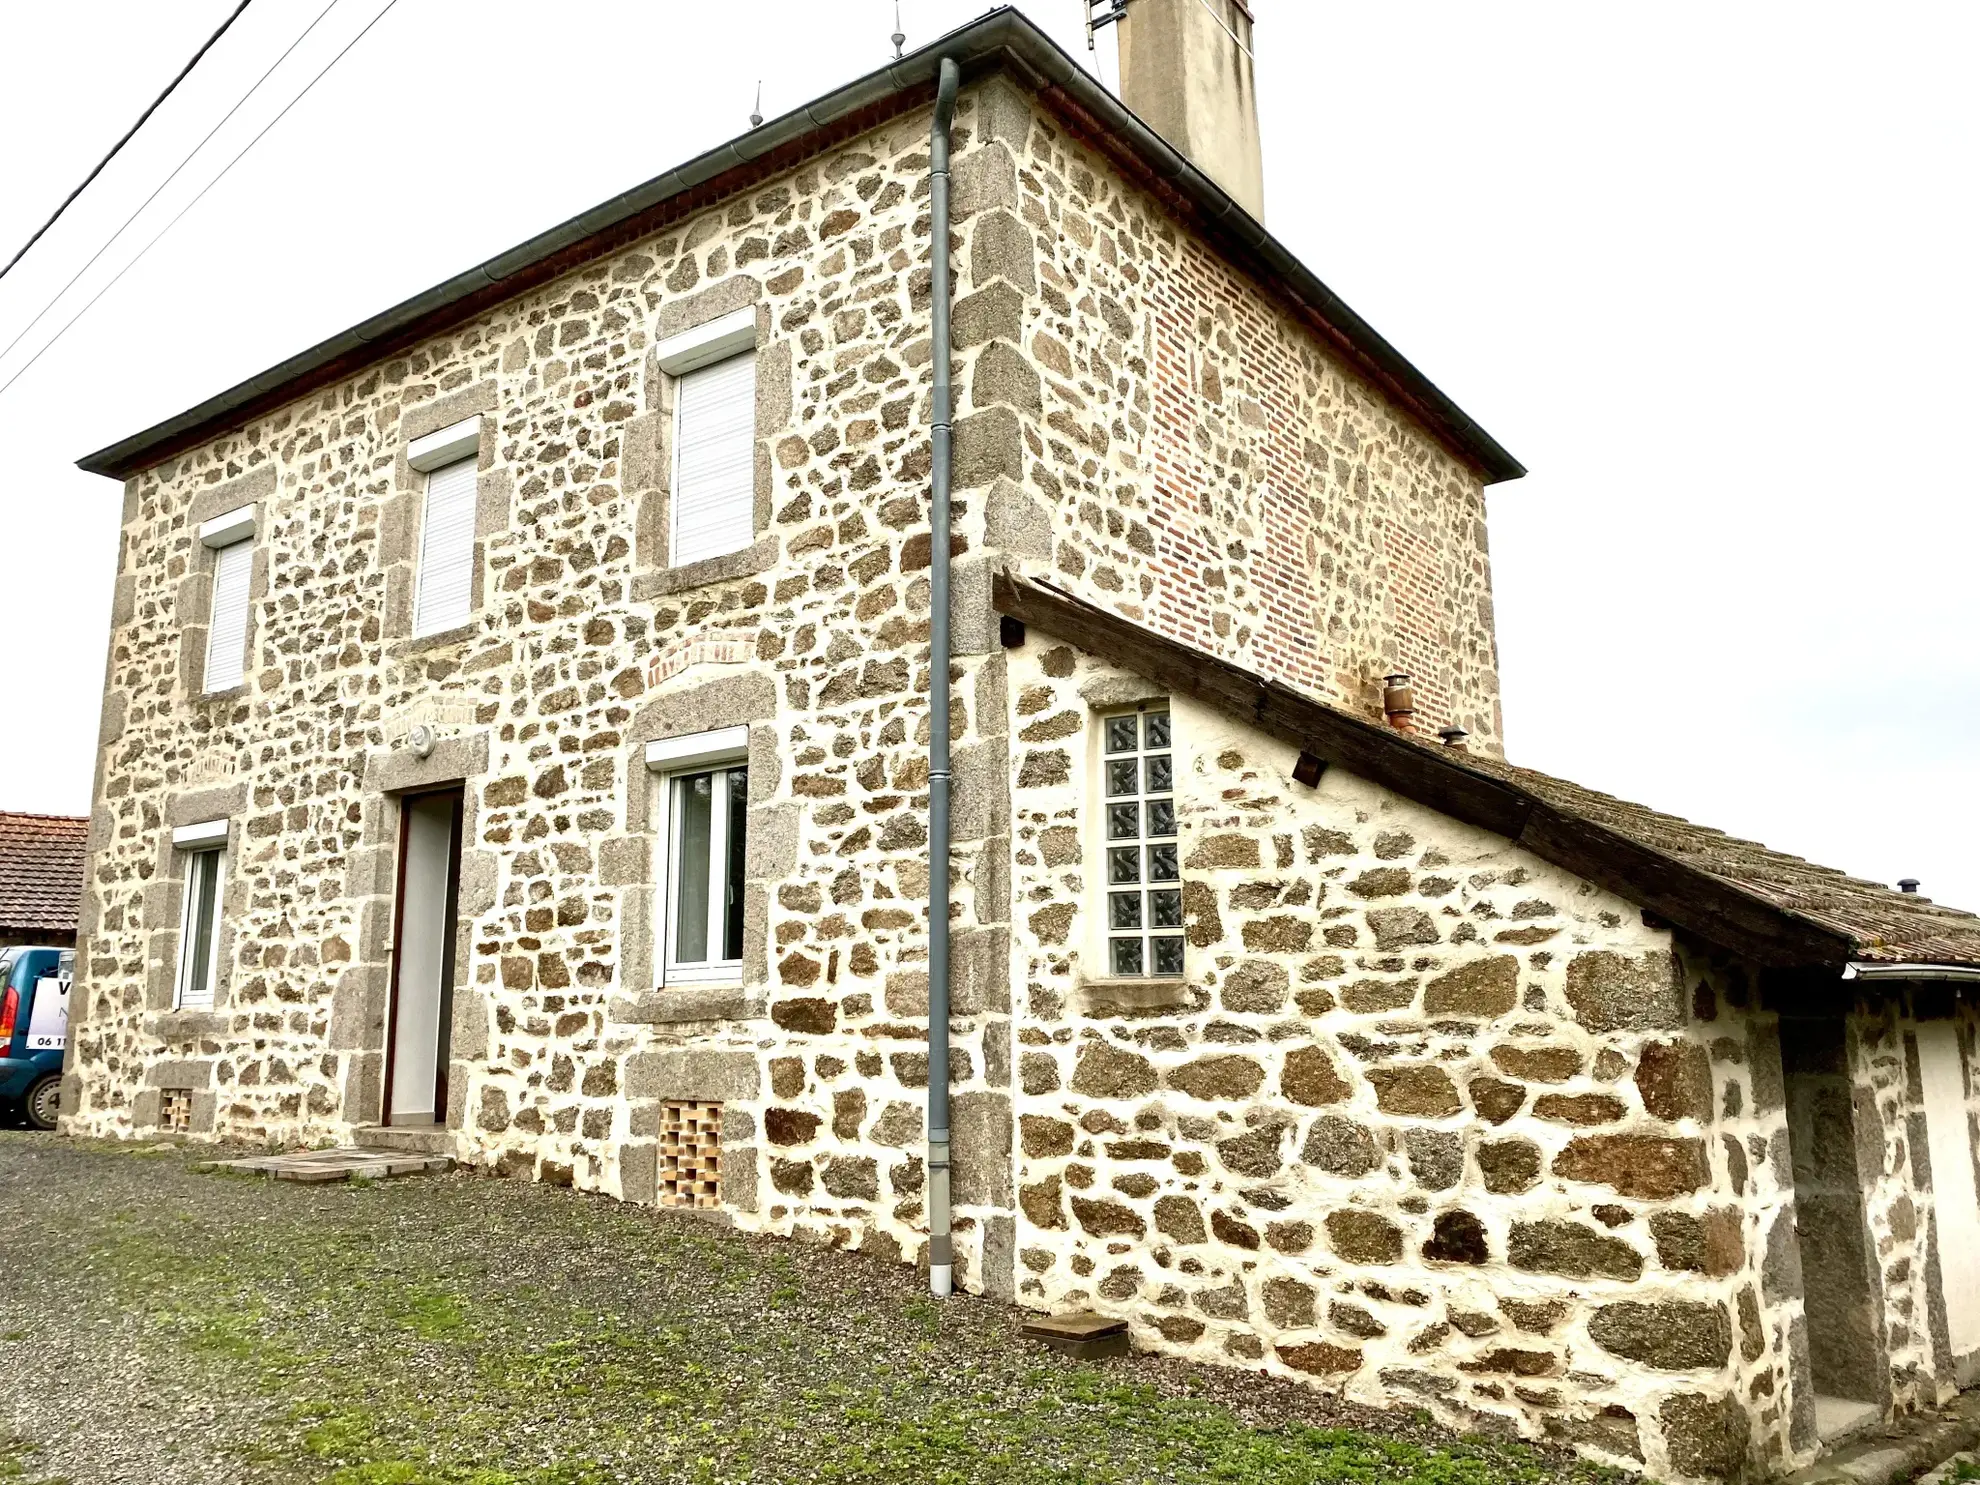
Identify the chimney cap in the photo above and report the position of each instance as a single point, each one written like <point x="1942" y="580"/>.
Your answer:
<point x="1453" y="736"/>
<point x="1908" y="885"/>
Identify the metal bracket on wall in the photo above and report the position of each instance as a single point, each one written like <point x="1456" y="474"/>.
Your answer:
<point x="1096" y="16"/>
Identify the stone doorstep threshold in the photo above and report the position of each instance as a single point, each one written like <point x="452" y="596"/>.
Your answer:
<point x="1081" y="1334"/>
<point x="1902" y="1451"/>
<point x="343" y="1164"/>
<point x="1840" y="1421"/>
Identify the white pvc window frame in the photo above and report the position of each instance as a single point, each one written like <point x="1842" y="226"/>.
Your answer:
<point x="230" y="537"/>
<point x="443" y="579"/>
<point x="722" y="756"/>
<point x="449" y="445"/>
<point x="198" y="972"/>
<point x="695" y="359"/>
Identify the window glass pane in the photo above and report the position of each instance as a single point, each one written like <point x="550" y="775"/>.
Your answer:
<point x="1143" y="912"/>
<point x="694" y="800"/>
<point x="203" y="893"/>
<point x="732" y="920"/>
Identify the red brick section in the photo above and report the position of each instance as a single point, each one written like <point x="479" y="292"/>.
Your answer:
<point x="1420" y="630"/>
<point x="1195" y="517"/>
<point x="41" y="872"/>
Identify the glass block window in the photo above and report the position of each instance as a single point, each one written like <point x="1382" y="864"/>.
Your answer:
<point x="1144" y="884"/>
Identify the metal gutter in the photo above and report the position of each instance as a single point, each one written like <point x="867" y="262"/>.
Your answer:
<point x="940" y="1245"/>
<point x="1001" y="38"/>
<point x="1858" y="969"/>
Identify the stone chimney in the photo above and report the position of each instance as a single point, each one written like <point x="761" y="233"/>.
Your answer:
<point x="1186" y="70"/>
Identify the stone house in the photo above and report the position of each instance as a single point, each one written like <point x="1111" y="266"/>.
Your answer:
<point x="516" y="743"/>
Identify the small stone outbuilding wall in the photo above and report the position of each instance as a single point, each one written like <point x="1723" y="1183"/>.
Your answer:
<point x="1428" y="1120"/>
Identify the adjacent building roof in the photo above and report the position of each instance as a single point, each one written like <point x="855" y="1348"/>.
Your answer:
<point x="41" y="872"/>
<point x="1001" y="40"/>
<point x="1774" y="909"/>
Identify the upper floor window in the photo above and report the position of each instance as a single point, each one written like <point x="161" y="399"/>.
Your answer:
<point x="205" y="850"/>
<point x="1144" y="921"/>
<point x="446" y="550"/>
<point x="444" y="597"/>
<point x="226" y="635"/>
<point x="713" y="500"/>
<point x="231" y="539"/>
<point x="704" y="803"/>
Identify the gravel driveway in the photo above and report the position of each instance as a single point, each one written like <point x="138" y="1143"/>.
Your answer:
<point x="166" y="1326"/>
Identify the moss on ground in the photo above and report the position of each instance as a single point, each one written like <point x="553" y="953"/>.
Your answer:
<point x="17" y="1461"/>
<point x="467" y="1332"/>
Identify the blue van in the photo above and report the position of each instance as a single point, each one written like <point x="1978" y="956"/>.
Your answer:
<point x="34" y="1028"/>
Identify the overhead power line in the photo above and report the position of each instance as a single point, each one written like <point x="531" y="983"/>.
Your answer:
<point x="66" y="200"/>
<point x="112" y="240"/>
<point x="70" y="322"/>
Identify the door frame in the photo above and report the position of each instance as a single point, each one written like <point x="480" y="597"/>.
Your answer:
<point x="1944" y="1184"/>
<point x="444" y="1028"/>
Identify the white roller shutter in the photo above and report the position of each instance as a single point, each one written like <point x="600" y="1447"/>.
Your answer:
<point x="226" y="635"/>
<point x="714" y="460"/>
<point x="446" y="550"/>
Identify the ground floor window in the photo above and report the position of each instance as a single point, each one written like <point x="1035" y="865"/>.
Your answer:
<point x="1144" y="883"/>
<point x="704" y="802"/>
<point x="199" y="933"/>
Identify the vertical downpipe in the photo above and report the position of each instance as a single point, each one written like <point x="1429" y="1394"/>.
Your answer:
<point x="941" y="1253"/>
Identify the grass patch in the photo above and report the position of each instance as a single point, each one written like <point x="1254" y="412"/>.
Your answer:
<point x="17" y="1456"/>
<point x="467" y="1332"/>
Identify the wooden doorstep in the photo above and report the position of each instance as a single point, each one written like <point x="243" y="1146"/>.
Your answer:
<point x="1082" y="1334"/>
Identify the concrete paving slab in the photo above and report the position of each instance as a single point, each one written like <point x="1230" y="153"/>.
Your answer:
<point x="341" y="1164"/>
<point x="1904" y="1450"/>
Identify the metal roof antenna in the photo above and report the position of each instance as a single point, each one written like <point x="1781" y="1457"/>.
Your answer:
<point x="899" y="35"/>
<point x="1102" y="13"/>
<point x="756" y="114"/>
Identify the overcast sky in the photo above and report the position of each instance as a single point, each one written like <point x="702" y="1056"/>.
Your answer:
<point x="1705" y="268"/>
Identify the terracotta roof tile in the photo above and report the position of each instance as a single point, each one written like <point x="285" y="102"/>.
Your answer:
<point x="41" y="871"/>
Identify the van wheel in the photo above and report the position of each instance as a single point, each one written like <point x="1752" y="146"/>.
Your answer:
<point x="44" y="1102"/>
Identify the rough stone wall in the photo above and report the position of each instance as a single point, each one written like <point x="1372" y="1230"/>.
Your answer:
<point x="1898" y="1206"/>
<point x="1209" y="468"/>
<point x="585" y="644"/>
<point x="1893" y="1204"/>
<point x="1427" y="1120"/>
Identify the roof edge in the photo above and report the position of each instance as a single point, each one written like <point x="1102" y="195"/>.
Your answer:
<point x="1002" y="36"/>
<point x="1702" y="904"/>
